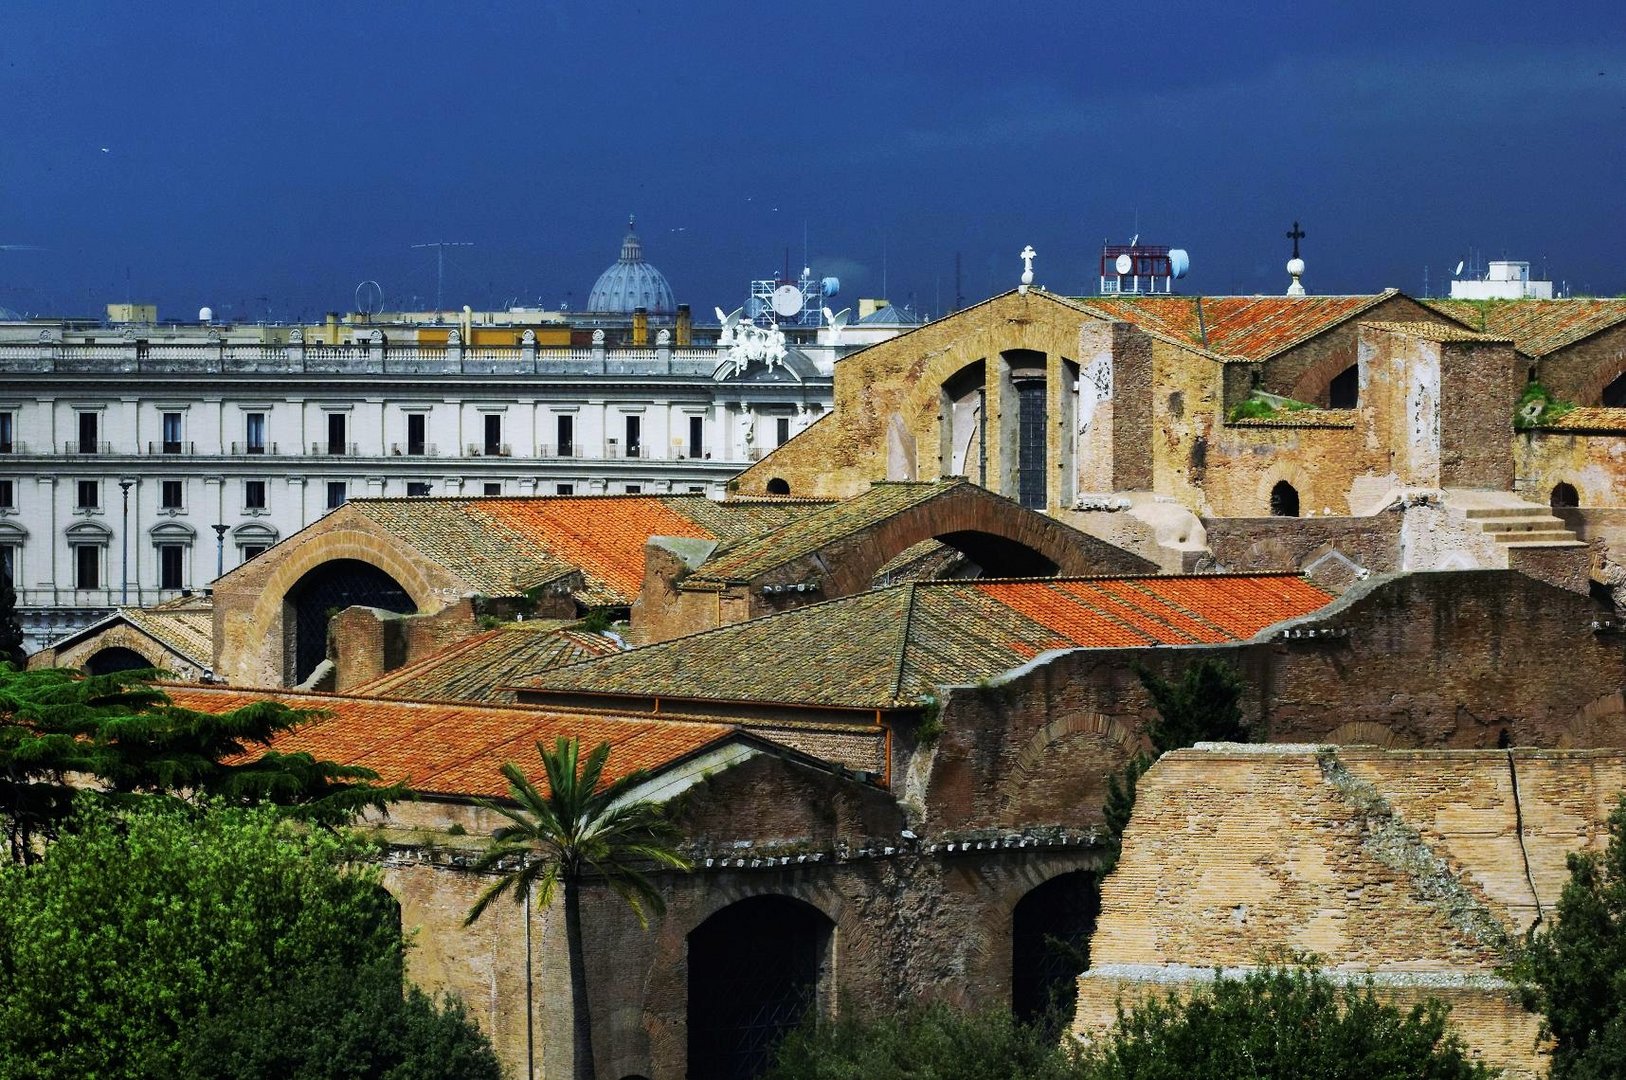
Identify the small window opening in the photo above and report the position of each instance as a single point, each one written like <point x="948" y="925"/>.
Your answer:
<point x="778" y="486"/>
<point x="1284" y="500"/>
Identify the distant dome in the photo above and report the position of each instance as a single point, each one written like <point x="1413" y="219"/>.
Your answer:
<point x="631" y="283"/>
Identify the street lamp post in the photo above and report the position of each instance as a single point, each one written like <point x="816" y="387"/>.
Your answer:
<point x="124" y="546"/>
<point x="220" y="550"/>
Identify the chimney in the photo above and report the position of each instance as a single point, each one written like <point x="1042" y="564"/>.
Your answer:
<point x="640" y="326"/>
<point x="685" y="326"/>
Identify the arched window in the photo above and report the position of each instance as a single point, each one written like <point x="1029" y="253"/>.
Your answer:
<point x="778" y="486"/>
<point x="327" y="590"/>
<point x="1284" y="500"/>
<point x="1050" y="946"/>
<point x="1614" y="395"/>
<point x="1565" y="495"/>
<point x="1344" y="392"/>
<point x="116" y="658"/>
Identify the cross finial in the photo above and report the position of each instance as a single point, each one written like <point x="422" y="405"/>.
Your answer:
<point x="1027" y="257"/>
<point x="1296" y="234"/>
<point x="632" y="222"/>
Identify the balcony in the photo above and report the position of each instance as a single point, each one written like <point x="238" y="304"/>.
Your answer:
<point x="171" y="448"/>
<point x="250" y="448"/>
<point x="10" y="447"/>
<point x="563" y="450"/>
<point x="335" y="449"/>
<point x="488" y="450"/>
<point x="86" y="446"/>
<point x="414" y="449"/>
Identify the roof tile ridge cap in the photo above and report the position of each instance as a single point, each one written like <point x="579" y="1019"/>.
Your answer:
<point x="815" y="538"/>
<point x="903" y="644"/>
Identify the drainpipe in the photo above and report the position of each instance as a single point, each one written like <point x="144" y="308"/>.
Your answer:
<point x="124" y="544"/>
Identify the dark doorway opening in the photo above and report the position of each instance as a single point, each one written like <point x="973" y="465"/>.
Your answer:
<point x="1284" y="500"/>
<point x="1614" y="395"/>
<point x="1050" y="946"/>
<point x="117" y="658"/>
<point x="1565" y="495"/>
<point x="1344" y="392"/>
<point x="754" y="971"/>
<point x="326" y="591"/>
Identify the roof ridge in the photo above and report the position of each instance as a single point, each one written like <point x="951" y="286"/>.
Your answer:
<point x="905" y="626"/>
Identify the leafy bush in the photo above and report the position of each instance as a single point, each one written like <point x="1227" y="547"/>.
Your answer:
<point x="1259" y="406"/>
<point x="1538" y="407"/>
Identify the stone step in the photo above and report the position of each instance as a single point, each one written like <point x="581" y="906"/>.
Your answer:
<point x="1474" y="513"/>
<point x="1545" y="523"/>
<point x="1536" y="536"/>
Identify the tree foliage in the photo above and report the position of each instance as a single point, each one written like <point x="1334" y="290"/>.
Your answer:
<point x="1277" y="1023"/>
<point x="1573" y="969"/>
<point x="164" y="941"/>
<point x="126" y="735"/>
<point x="11" y="629"/>
<point x="1204" y="705"/>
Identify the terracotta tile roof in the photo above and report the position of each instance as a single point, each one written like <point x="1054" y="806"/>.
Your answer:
<point x="1307" y="418"/>
<point x="745" y="560"/>
<point x="1589" y="419"/>
<point x="188" y="632"/>
<point x="1537" y="327"/>
<point x="1247" y="327"/>
<point x="503" y="546"/>
<point x="894" y="646"/>
<point x="457" y="750"/>
<point x="1437" y="332"/>
<point x="476" y="668"/>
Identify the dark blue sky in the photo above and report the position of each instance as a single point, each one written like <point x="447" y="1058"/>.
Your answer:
<point x="270" y="156"/>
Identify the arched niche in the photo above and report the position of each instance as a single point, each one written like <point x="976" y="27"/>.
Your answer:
<point x="324" y="591"/>
<point x="1050" y="946"/>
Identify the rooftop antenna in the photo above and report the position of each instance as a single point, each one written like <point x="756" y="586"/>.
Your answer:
<point x="959" y="293"/>
<point x="440" y="247"/>
<point x="883" y="266"/>
<point x="1425" y="280"/>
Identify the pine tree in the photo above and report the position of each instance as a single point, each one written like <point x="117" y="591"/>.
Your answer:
<point x="1203" y="706"/>
<point x="11" y="630"/>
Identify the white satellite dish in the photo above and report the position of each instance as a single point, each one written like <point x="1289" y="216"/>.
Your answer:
<point x="1458" y="271"/>
<point x="788" y="301"/>
<point x="1124" y="264"/>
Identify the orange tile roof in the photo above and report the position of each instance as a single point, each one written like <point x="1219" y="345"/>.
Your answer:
<point x="604" y="536"/>
<point x="1248" y="327"/>
<point x="457" y="750"/>
<point x="893" y="647"/>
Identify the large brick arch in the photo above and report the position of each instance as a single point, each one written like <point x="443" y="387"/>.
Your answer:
<point x="122" y="636"/>
<point x="1313" y="384"/>
<point x="1591" y="392"/>
<point x="1598" y="723"/>
<point x="976" y="521"/>
<point x="1046" y="752"/>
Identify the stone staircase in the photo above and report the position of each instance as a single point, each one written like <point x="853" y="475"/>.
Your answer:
<point x="1522" y="525"/>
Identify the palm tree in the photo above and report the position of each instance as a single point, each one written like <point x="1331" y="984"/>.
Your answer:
<point x="578" y="829"/>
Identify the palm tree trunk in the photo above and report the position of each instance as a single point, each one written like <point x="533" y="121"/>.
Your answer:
<point x="581" y="1019"/>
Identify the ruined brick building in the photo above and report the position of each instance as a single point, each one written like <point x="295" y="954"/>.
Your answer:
<point x="883" y="684"/>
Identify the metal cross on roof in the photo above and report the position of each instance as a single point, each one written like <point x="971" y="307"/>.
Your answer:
<point x="1296" y="235"/>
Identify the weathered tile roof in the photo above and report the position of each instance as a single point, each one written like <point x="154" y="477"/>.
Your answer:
<point x="1537" y="327"/>
<point x="476" y="668"/>
<point x="448" y="749"/>
<point x="1246" y="327"/>
<point x="189" y="632"/>
<point x="1305" y="418"/>
<point x="503" y="546"/>
<point x="895" y="646"/>
<point x="1438" y="332"/>
<point x="1589" y="419"/>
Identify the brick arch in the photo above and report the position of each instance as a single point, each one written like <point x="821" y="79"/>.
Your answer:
<point x="1035" y="752"/>
<point x="1591" y="392"/>
<point x="976" y="522"/>
<point x="1293" y="474"/>
<point x="122" y="636"/>
<point x="265" y="624"/>
<point x="1362" y="733"/>
<point x="1313" y="383"/>
<point x="1599" y="723"/>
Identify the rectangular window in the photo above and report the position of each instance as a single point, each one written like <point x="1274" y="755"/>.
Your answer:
<point x="87" y="433"/>
<point x="170" y="560"/>
<point x="335" y="494"/>
<point x="567" y="436"/>
<point x="417" y="424"/>
<point x="89" y="492"/>
<point x="251" y="550"/>
<point x="635" y="425"/>
<point x="417" y="489"/>
<point x="492" y="489"/>
<point x="697" y="432"/>
<point x="7" y="445"/>
<point x="635" y="489"/>
<point x="782" y="430"/>
<point x="170" y="495"/>
<point x="1032" y="481"/>
<point x="335" y="433"/>
<point x="8" y="495"/>
<point x="254" y="494"/>
<point x="172" y="433"/>
<point x="254" y="432"/>
<point x="8" y="562"/>
<point x="493" y="434"/>
<point x="566" y="489"/>
<point x="87" y="559"/>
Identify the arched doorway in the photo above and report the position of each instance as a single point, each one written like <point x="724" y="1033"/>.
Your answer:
<point x="1284" y="500"/>
<point x="1344" y="392"/>
<point x="1564" y="496"/>
<point x="116" y="658"/>
<point x="754" y="973"/>
<point x="1050" y="946"/>
<point x="324" y="592"/>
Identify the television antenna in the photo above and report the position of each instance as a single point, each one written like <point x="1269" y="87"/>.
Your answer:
<point x="440" y="247"/>
<point x="369" y="298"/>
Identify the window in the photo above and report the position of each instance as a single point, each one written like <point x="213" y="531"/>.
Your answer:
<point x="493" y="434"/>
<point x="417" y="424"/>
<point x="171" y="559"/>
<point x="87" y="433"/>
<point x="635" y="489"/>
<point x="782" y="430"/>
<point x="417" y="489"/>
<point x="8" y="562"/>
<point x="567" y="436"/>
<point x="172" y="433"/>
<point x="254" y="494"/>
<point x="335" y="433"/>
<point x="635" y="426"/>
<point x="254" y="432"/>
<point x="170" y="495"/>
<point x="1344" y="392"/>
<point x="89" y="492"/>
<point x="335" y="494"/>
<point x="87" y="560"/>
<point x="7" y="445"/>
<point x="697" y="430"/>
<point x="566" y="489"/>
<point x="491" y="489"/>
<point x="778" y="486"/>
<point x="251" y="550"/>
<point x="1284" y="500"/>
<point x="8" y="495"/>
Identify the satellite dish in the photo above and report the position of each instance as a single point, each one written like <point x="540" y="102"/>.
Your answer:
<point x="1179" y="263"/>
<point x="206" y="315"/>
<point x="788" y="301"/>
<point x="830" y="286"/>
<point x="369" y="298"/>
<point x="1124" y="264"/>
<point x="1458" y="271"/>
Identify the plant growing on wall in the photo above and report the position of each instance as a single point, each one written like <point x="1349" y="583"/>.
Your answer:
<point x="578" y="828"/>
<point x="1538" y="407"/>
<point x="1261" y="406"/>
